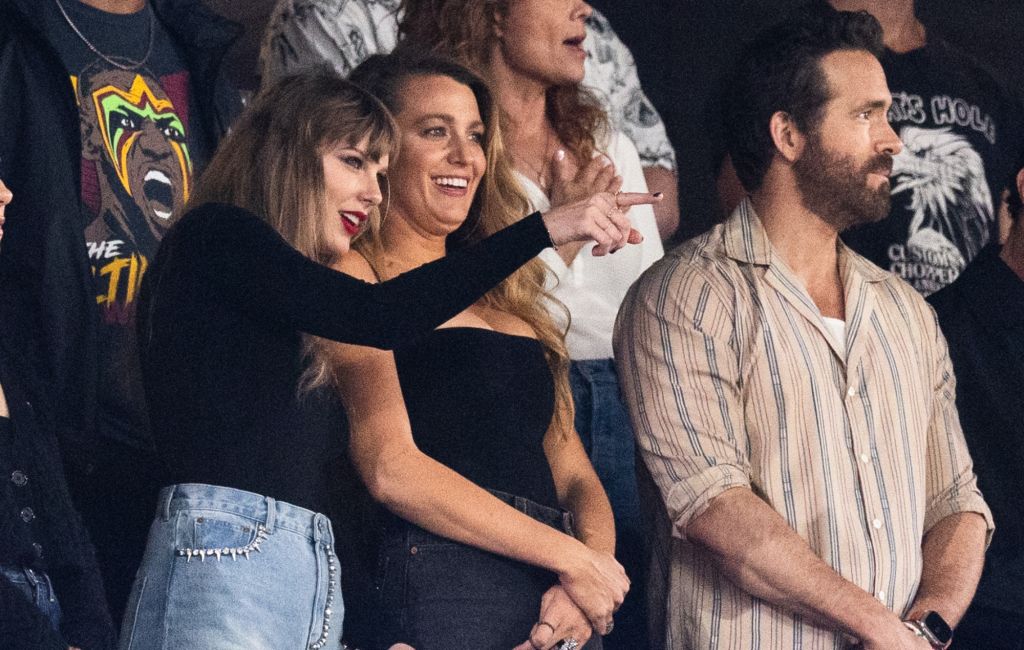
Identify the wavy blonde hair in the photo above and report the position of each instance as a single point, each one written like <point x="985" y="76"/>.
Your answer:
<point x="271" y="164"/>
<point x="499" y="202"/>
<point x="465" y="31"/>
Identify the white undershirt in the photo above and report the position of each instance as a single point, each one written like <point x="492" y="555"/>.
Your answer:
<point x="837" y="328"/>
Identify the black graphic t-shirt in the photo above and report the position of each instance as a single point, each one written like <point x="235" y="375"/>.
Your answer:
<point x="136" y="174"/>
<point x="962" y="135"/>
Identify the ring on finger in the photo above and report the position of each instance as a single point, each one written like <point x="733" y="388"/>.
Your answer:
<point x="608" y="628"/>
<point x="569" y="644"/>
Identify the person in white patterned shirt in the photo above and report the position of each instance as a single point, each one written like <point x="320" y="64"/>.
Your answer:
<point x="344" y="33"/>
<point x="793" y="403"/>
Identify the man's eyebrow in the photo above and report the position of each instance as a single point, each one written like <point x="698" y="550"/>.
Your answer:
<point x="874" y="104"/>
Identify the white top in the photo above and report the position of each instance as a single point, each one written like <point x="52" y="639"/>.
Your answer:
<point x="592" y="288"/>
<point x="837" y="328"/>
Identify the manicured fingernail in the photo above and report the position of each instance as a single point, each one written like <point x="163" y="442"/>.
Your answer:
<point x="605" y="161"/>
<point x="560" y="155"/>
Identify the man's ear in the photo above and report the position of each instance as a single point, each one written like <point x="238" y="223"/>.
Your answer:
<point x="788" y="138"/>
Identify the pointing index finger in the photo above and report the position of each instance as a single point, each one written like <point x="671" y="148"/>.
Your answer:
<point x="627" y="199"/>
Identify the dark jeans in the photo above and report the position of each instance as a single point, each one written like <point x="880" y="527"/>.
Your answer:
<point x="984" y="628"/>
<point x="607" y="434"/>
<point x="37" y="589"/>
<point x="437" y="594"/>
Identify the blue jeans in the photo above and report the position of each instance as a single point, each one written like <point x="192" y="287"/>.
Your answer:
<point x="437" y="594"/>
<point x="226" y="569"/>
<point x="37" y="589"/>
<point x="607" y="435"/>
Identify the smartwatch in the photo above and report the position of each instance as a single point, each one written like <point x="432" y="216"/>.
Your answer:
<point x="933" y="628"/>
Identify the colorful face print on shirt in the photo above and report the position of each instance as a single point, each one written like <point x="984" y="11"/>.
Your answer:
<point x="137" y="139"/>
<point x="136" y="176"/>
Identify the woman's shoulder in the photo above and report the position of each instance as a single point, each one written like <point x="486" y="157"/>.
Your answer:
<point x="212" y="215"/>
<point x="355" y="264"/>
<point x="220" y="225"/>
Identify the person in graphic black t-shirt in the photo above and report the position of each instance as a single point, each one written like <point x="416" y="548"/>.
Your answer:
<point x="961" y="133"/>
<point x="111" y="108"/>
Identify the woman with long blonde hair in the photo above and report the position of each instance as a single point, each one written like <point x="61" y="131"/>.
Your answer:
<point x="530" y="51"/>
<point x="483" y="469"/>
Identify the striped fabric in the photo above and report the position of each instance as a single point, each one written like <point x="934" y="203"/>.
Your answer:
<point x="732" y="379"/>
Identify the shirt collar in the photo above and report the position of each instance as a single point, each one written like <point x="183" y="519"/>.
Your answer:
<point x="746" y="241"/>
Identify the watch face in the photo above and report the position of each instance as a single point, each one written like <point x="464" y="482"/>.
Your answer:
<point x="938" y="627"/>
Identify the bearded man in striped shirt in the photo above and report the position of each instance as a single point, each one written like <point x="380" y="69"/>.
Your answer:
<point x="793" y="403"/>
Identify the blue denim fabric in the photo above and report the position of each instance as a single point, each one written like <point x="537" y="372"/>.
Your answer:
<point x="226" y="569"/>
<point x="437" y="594"/>
<point x="607" y="434"/>
<point x="37" y="589"/>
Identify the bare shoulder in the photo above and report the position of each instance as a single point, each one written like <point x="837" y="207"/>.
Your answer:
<point x="355" y="264"/>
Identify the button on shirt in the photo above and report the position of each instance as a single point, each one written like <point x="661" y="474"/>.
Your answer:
<point x="733" y="380"/>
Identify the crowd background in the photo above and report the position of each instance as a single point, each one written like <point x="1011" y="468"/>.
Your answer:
<point x="707" y="36"/>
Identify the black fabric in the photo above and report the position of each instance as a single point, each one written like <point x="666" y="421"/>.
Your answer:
<point x="962" y="135"/>
<point x="5" y="439"/>
<point x="987" y="628"/>
<point x="220" y="318"/>
<point x="39" y="527"/>
<point x="982" y="316"/>
<point x="481" y="402"/>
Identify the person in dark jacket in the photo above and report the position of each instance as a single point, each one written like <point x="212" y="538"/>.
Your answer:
<point x="109" y="110"/>
<point x="51" y="594"/>
<point x="982" y="316"/>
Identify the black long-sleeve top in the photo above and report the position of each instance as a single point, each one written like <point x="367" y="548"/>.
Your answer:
<point x="221" y="316"/>
<point x="39" y="527"/>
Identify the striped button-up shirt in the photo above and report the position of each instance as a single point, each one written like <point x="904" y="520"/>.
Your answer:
<point x="733" y="380"/>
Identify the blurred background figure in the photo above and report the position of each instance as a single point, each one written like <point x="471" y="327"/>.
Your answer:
<point x="51" y="593"/>
<point x="109" y="108"/>
<point x="982" y="316"/>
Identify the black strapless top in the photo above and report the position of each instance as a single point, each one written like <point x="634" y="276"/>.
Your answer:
<point x="481" y="402"/>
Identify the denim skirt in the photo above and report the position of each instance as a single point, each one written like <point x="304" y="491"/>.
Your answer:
<point x="226" y="569"/>
<point x="437" y="594"/>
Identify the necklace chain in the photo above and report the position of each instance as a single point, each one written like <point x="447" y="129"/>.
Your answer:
<point x="541" y="173"/>
<point x="130" y="65"/>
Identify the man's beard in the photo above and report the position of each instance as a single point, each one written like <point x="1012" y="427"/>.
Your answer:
<point x="835" y="188"/>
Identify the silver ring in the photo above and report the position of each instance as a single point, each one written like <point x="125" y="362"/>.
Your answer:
<point x="569" y="644"/>
<point x="609" y="628"/>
